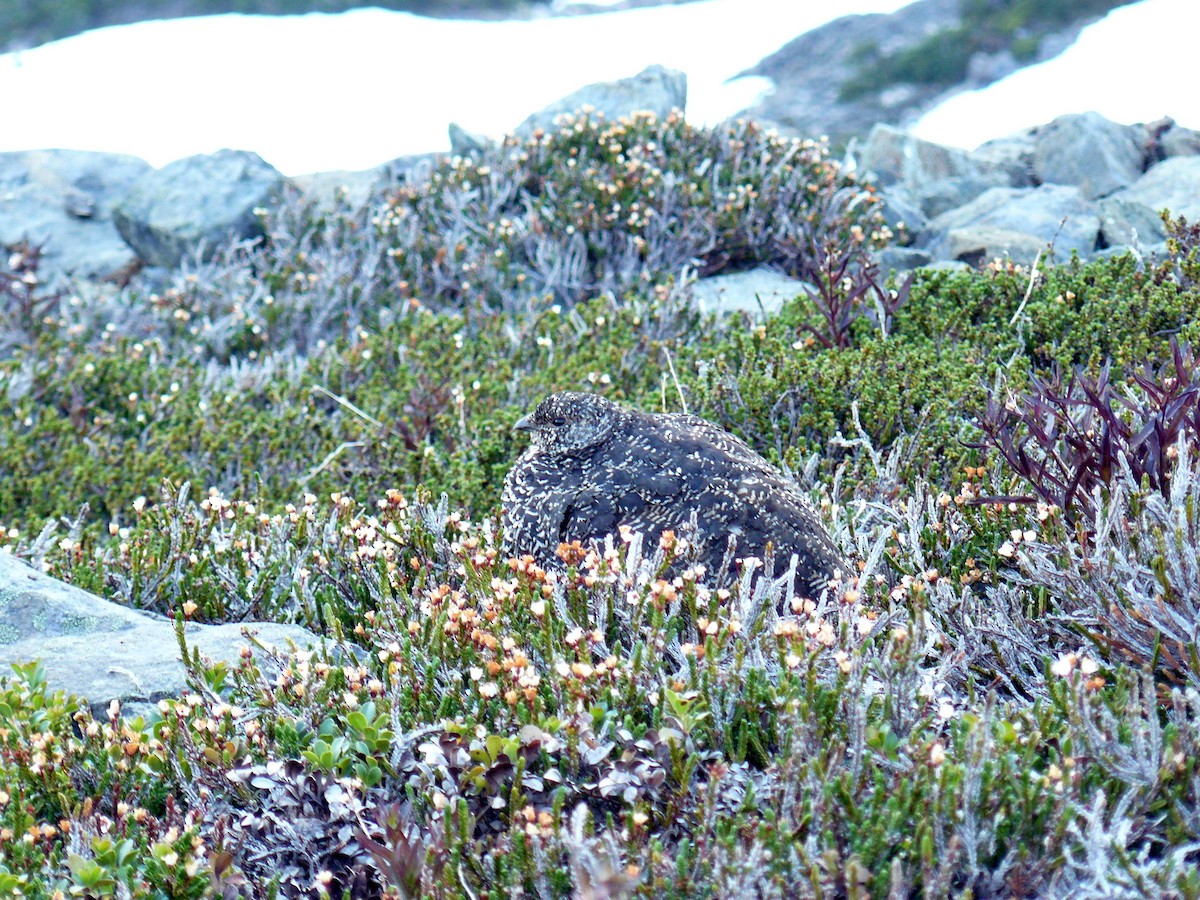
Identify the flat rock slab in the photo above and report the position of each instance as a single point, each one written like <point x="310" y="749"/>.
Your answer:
<point x="102" y="651"/>
<point x="755" y="291"/>
<point x="197" y="203"/>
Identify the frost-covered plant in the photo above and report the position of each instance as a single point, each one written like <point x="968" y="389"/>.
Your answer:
<point x="1133" y="588"/>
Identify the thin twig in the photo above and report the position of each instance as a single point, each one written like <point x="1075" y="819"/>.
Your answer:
<point x="675" y="380"/>
<point x="330" y="457"/>
<point x="1033" y="274"/>
<point x="350" y="406"/>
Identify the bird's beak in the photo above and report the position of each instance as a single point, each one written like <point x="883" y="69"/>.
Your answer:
<point x="523" y="424"/>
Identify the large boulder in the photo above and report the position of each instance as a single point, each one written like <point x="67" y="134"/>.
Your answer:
<point x="102" y="651"/>
<point x="197" y="203"/>
<point x="1057" y="215"/>
<point x="655" y="89"/>
<point x="1089" y="151"/>
<point x="1173" y="184"/>
<point x="811" y="74"/>
<point x="63" y="200"/>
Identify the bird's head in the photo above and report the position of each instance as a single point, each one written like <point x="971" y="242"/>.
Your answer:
<point x="570" y="422"/>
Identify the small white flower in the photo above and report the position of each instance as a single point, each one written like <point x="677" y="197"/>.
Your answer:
<point x="1065" y="665"/>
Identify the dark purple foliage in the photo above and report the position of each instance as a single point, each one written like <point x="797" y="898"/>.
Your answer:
<point x="1065" y="439"/>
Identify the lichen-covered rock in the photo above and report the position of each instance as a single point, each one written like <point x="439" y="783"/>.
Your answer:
<point x="1091" y="152"/>
<point x="63" y="201"/>
<point x="103" y="651"/>
<point x="655" y="89"/>
<point x="197" y="203"/>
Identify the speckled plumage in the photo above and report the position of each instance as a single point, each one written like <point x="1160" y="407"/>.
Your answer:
<point x="594" y="466"/>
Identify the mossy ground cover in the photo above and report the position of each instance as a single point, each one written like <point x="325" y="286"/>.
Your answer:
<point x="316" y="429"/>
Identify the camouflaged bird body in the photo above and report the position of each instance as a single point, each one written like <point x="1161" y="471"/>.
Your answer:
<point x="654" y="473"/>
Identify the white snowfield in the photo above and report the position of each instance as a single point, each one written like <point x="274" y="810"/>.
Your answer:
<point x="1137" y="64"/>
<point x="349" y="91"/>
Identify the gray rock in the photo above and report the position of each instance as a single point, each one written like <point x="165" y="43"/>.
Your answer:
<point x="937" y="178"/>
<point x="947" y="265"/>
<point x="1089" y="151"/>
<point x="951" y="193"/>
<point x="756" y="291"/>
<point x="1173" y="184"/>
<point x="102" y="651"/>
<point x="1179" y="141"/>
<point x="1049" y="214"/>
<point x="984" y="68"/>
<point x="655" y="89"/>
<point x="902" y="259"/>
<point x="334" y="190"/>
<point x="902" y="214"/>
<point x="1014" y="151"/>
<point x="892" y="156"/>
<point x="810" y="73"/>
<point x="466" y="143"/>
<point x="979" y="244"/>
<point x="63" y="200"/>
<point x="1125" y="222"/>
<point x="201" y="201"/>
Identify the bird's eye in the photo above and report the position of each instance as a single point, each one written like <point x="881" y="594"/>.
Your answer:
<point x="559" y="422"/>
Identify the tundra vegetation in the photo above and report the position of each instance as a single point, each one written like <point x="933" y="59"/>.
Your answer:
<point x="1001" y="699"/>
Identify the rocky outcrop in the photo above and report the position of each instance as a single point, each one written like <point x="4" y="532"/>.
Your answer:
<point x="655" y="89"/>
<point x="103" y="651"/>
<point x="1016" y="222"/>
<point x="63" y="200"/>
<point x="197" y="203"/>
<point x="809" y="73"/>
<point x="1080" y="184"/>
<point x="818" y="83"/>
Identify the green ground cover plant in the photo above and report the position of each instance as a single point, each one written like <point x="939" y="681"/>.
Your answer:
<point x="1000" y="699"/>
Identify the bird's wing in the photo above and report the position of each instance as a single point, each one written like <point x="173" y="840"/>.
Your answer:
<point x="739" y="493"/>
<point x="537" y="492"/>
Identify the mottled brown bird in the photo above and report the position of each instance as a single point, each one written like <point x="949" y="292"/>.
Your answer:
<point x="594" y="466"/>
